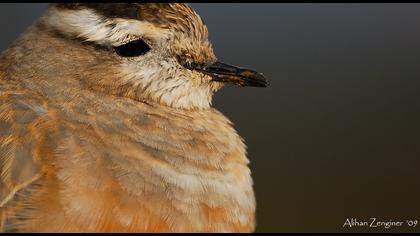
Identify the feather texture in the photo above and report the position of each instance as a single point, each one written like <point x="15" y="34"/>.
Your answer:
<point x="79" y="155"/>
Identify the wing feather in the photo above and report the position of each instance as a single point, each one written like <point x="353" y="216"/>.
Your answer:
<point x="21" y="111"/>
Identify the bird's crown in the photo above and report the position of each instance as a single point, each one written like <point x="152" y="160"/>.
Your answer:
<point x="117" y="23"/>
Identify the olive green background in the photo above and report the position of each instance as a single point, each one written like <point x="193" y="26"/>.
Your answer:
<point x="337" y="133"/>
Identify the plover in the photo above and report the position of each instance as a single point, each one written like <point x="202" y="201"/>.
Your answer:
<point x="106" y="125"/>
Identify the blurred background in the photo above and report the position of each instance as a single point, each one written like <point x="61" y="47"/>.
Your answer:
<point x="337" y="134"/>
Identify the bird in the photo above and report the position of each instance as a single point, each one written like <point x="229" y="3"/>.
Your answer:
<point x="107" y="125"/>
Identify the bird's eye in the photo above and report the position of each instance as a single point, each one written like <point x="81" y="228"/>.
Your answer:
<point x="133" y="49"/>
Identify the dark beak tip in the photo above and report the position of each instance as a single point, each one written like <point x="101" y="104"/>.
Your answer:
<point x="261" y="80"/>
<point x="266" y="84"/>
<point x="252" y="82"/>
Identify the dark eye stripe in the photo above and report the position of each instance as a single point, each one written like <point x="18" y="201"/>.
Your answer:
<point x="133" y="49"/>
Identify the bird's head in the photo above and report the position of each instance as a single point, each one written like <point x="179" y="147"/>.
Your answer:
<point x="156" y="52"/>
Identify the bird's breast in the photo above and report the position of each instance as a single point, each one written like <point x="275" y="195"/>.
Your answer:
<point x="153" y="169"/>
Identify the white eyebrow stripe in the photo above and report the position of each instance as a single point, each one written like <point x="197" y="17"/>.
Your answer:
<point x="90" y="26"/>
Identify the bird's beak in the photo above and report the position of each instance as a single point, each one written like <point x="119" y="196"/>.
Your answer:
<point x="227" y="73"/>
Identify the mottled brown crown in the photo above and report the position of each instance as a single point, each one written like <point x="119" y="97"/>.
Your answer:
<point x="178" y="16"/>
<point x="193" y="46"/>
